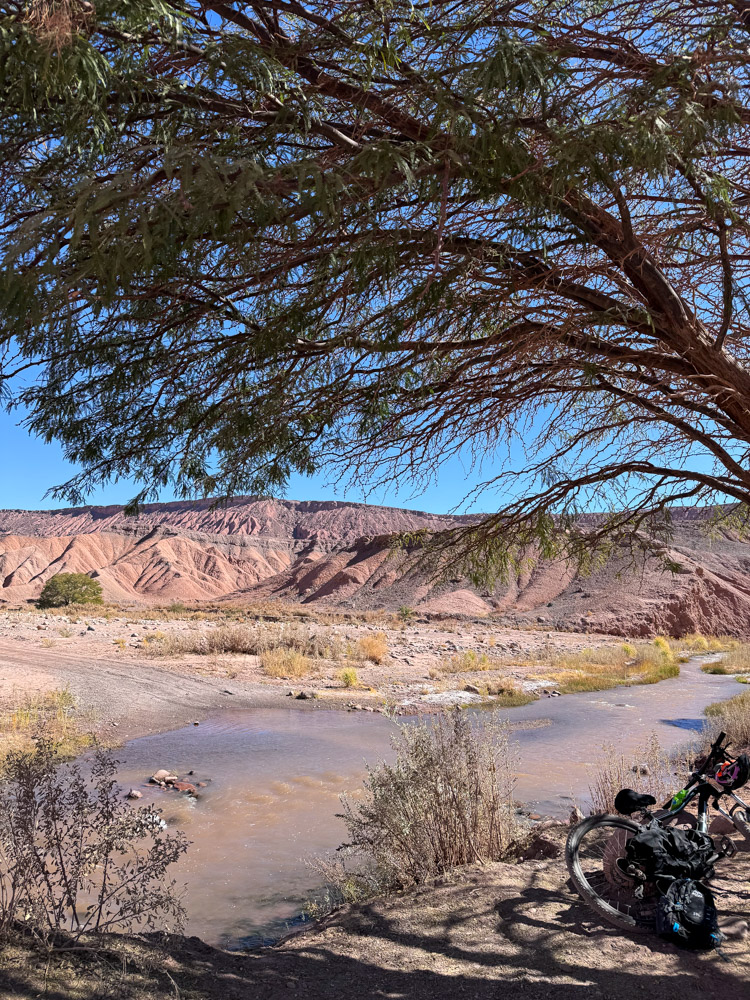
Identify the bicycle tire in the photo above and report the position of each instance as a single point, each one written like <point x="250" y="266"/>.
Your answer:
<point x="634" y="915"/>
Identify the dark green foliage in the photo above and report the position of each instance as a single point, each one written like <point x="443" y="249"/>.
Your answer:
<point x="63" y="589"/>
<point x="243" y="240"/>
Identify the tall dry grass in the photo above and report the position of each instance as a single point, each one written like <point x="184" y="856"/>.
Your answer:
<point x="467" y="662"/>
<point x="373" y="647"/>
<point x="736" y="661"/>
<point x="286" y="663"/>
<point x="649" y="770"/>
<point x="253" y="640"/>
<point x="733" y="716"/>
<point x="27" y="715"/>
<point x="615" y="666"/>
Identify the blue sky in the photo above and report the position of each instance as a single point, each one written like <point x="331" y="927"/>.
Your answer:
<point x="29" y="467"/>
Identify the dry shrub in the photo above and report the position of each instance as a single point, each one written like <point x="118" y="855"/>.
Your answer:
<point x="650" y="770"/>
<point x="447" y="800"/>
<point x="373" y="647"/>
<point x="349" y="678"/>
<point x="75" y="858"/>
<point x="733" y="716"/>
<point x="284" y="663"/>
<point x="466" y="663"/>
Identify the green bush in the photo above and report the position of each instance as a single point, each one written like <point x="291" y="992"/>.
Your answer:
<point x="70" y="588"/>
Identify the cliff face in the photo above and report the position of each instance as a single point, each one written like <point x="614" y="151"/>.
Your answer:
<point x="339" y="555"/>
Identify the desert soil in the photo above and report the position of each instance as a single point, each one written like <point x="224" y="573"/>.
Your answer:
<point x="495" y="931"/>
<point x="104" y="663"/>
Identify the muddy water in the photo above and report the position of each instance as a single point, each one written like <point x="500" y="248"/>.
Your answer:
<point x="275" y="777"/>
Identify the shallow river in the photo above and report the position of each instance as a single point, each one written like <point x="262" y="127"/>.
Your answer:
<point x="276" y="775"/>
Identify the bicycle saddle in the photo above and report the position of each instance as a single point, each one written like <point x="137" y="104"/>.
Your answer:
<point x="627" y="801"/>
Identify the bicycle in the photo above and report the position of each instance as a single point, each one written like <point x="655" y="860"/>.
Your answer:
<point x="596" y="853"/>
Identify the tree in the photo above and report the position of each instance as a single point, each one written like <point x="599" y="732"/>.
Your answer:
<point x="63" y="589"/>
<point x="243" y="239"/>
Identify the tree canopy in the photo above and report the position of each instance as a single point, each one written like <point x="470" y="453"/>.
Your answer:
<point x="63" y="589"/>
<point x="244" y="239"/>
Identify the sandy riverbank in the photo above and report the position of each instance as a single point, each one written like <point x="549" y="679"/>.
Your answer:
<point x="109" y="663"/>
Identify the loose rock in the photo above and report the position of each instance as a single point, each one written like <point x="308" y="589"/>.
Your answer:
<point x="162" y="777"/>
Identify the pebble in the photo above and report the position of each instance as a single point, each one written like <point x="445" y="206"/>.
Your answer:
<point x="134" y="794"/>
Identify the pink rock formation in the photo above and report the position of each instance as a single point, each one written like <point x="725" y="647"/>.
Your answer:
<point x="340" y="555"/>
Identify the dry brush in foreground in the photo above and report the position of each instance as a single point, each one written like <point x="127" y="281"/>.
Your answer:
<point x="446" y="800"/>
<point x="75" y="859"/>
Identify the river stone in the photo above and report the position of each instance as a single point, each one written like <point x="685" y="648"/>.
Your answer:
<point x="163" y="777"/>
<point x="134" y="794"/>
<point x="185" y="786"/>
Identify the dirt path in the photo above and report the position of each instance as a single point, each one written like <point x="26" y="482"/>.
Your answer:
<point x="500" y="931"/>
<point x="128" y="698"/>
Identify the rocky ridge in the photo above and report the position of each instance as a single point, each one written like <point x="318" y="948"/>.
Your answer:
<point x="340" y="555"/>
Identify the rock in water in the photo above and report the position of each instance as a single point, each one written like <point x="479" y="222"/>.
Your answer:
<point x="134" y="794"/>
<point x="162" y="777"/>
<point x="185" y="786"/>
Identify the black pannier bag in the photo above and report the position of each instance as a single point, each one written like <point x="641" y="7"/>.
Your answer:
<point x="657" y="850"/>
<point x="686" y="915"/>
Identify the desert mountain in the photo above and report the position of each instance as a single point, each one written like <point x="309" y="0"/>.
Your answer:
<point x="340" y="555"/>
<point x="186" y="551"/>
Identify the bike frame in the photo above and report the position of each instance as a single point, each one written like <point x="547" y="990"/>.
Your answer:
<point x="704" y="792"/>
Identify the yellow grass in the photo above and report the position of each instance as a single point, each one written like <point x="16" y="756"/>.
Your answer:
<point x="706" y="644"/>
<point x="467" y="662"/>
<point x="736" y="661"/>
<point x="373" y="647"/>
<point x="349" y="678"/>
<point x="615" y="666"/>
<point x="284" y="663"/>
<point x="48" y="713"/>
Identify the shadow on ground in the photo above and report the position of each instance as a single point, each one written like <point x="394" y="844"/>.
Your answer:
<point x="487" y="932"/>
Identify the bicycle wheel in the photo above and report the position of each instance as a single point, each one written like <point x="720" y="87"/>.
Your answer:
<point x="592" y="851"/>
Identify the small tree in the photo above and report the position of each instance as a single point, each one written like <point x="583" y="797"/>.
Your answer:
<point x="70" y="588"/>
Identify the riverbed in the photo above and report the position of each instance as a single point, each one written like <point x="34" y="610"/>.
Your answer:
<point x="274" y="778"/>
